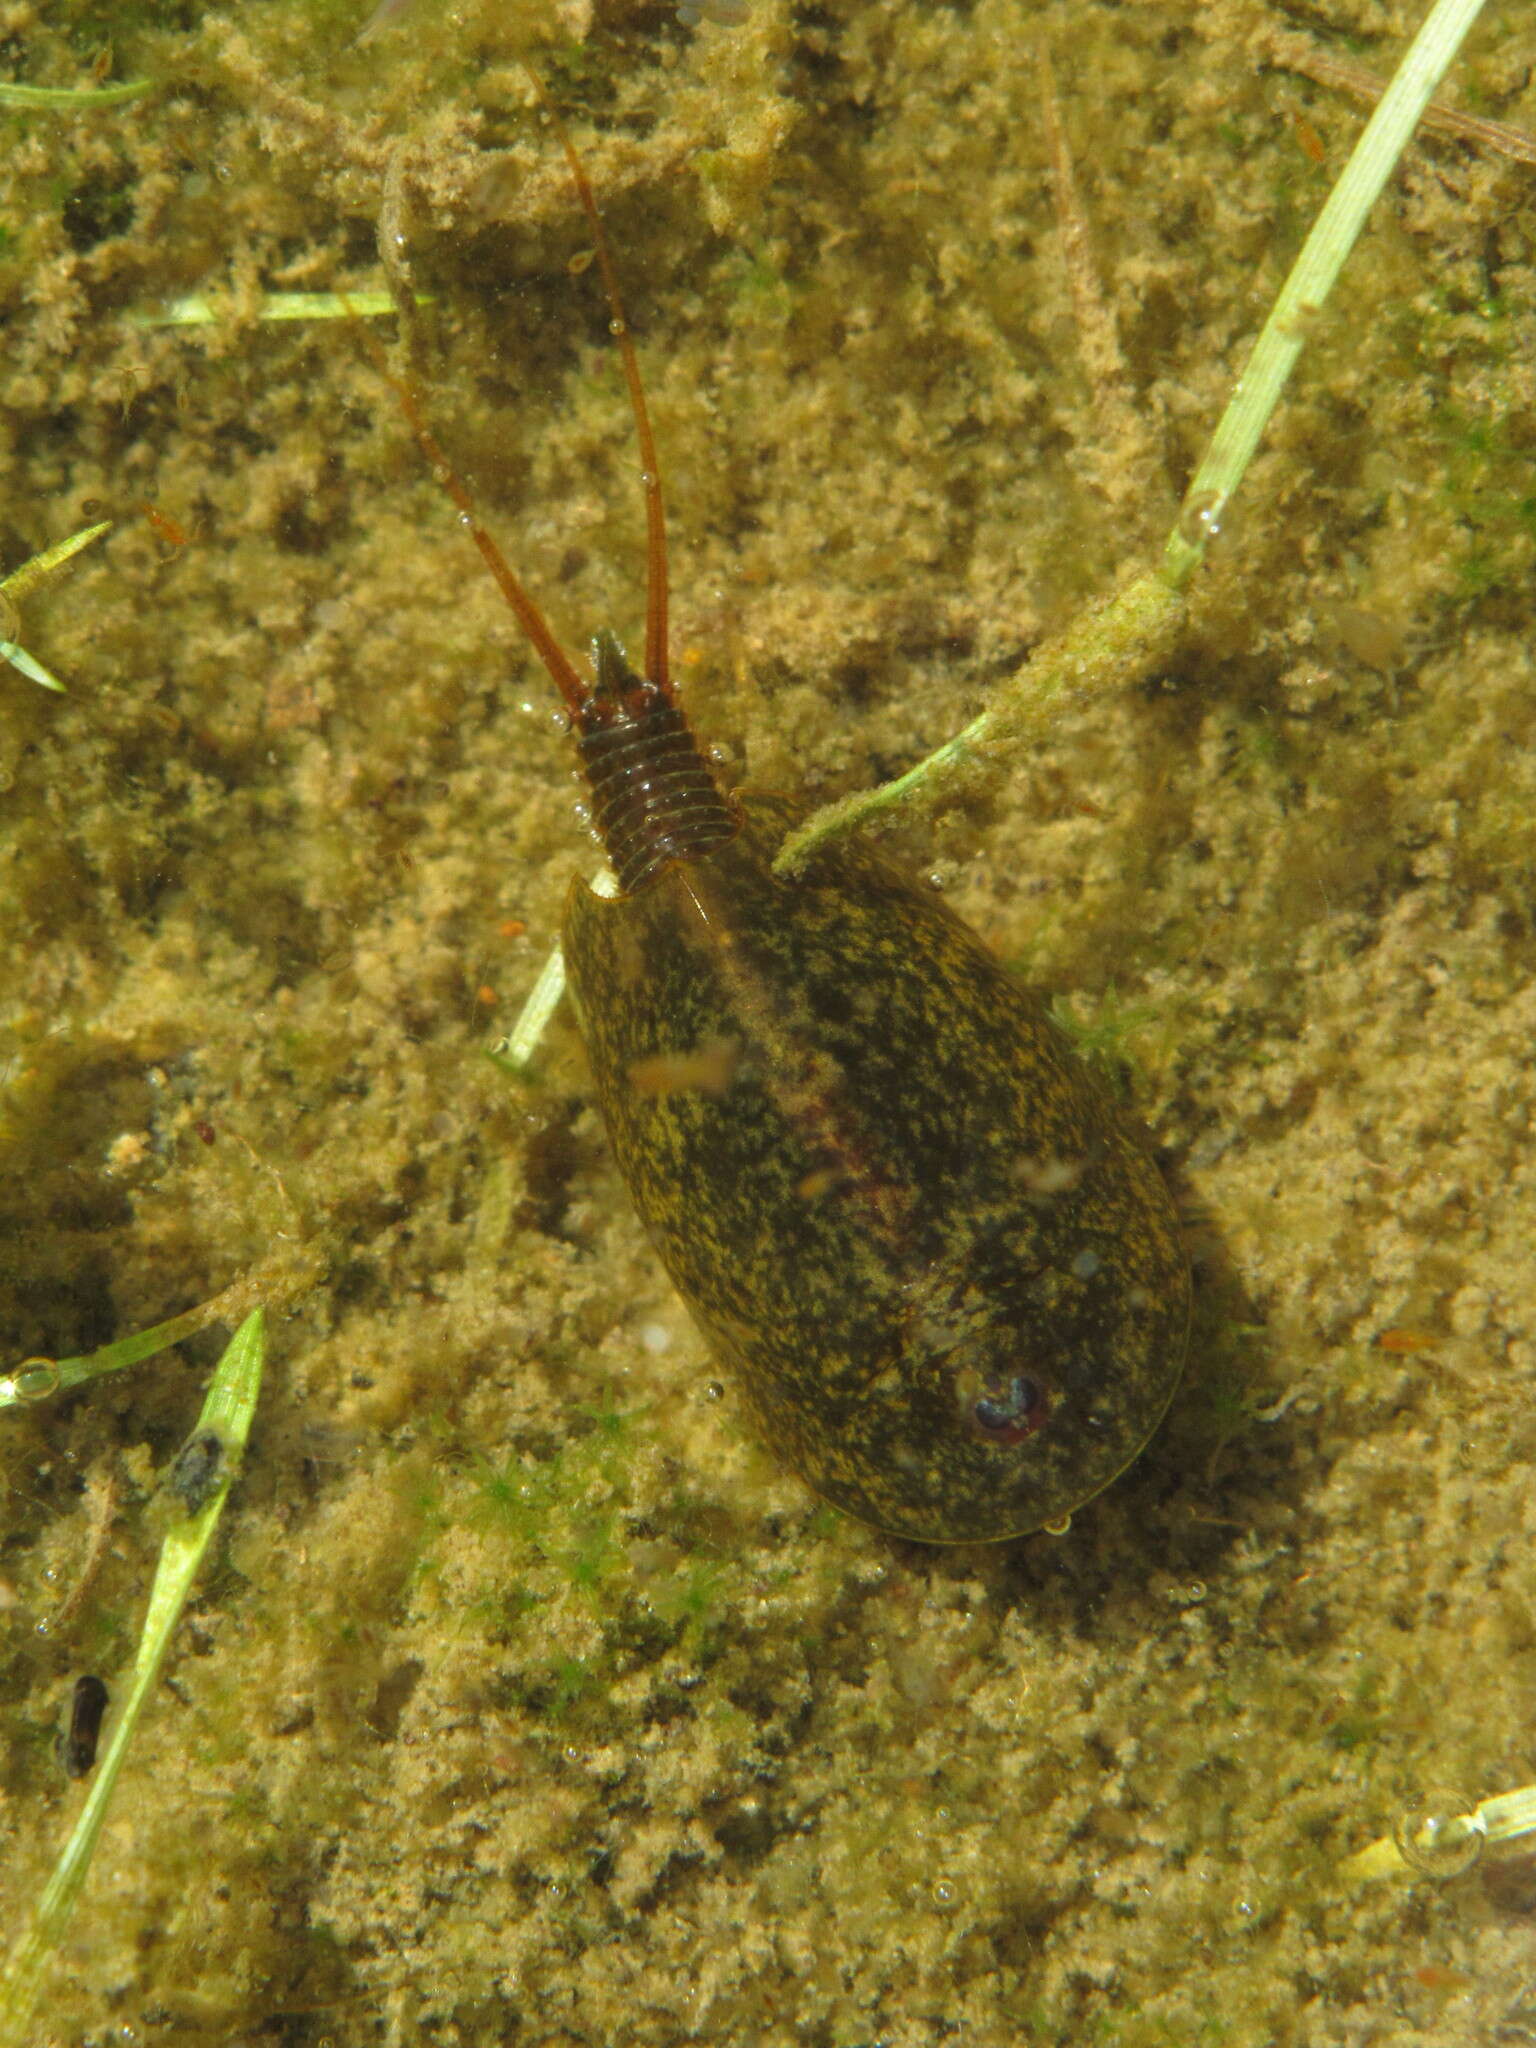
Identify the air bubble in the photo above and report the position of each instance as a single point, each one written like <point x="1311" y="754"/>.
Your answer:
<point x="1440" y="1835"/>
<point x="35" y="1379"/>
<point x="1200" y="517"/>
<point x="616" y="328"/>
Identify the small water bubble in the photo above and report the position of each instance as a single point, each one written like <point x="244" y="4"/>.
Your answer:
<point x="1439" y="1835"/>
<point x="943" y="1894"/>
<point x="36" y="1378"/>
<point x="1200" y="517"/>
<point x="647" y="479"/>
<point x="616" y="328"/>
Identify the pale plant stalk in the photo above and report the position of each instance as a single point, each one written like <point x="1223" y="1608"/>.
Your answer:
<point x="1293" y="318"/>
<point x="14" y="588"/>
<point x="227" y="1413"/>
<point x="1115" y="643"/>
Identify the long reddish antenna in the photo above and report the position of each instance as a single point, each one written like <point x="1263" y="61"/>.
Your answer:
<point x="656" y="662"/>
<point x="564" y="677"/>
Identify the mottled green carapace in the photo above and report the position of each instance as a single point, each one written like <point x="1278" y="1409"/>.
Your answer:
<point x="944" y="1269"/>
<point x="942" y="1264"/>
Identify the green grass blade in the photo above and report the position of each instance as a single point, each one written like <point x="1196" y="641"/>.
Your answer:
<point x="39" y="567"/>
<point x="1312" y="278"/>
<point x="197" y="311"/>
<point x="14" y="588"/>
<point x="227" y="1411"/>
<point x="29" y="666"/>
<point x="35" y="1379"/>
<point x="61" y="98"/>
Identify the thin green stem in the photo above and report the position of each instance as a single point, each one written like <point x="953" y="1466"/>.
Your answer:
<point x="1115" y="645"/>
<point x="196" y="310"/>
<point x="1294" y="315"/>
<point x="14" y="588"/>
<point x="226" y="1415"/>
<point x="62" y="98"/>
<point x="1106" y="648"/>
<point x="36" y="1379"/>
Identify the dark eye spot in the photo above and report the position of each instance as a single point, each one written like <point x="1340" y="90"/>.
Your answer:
<point x="1010" y="1410"/>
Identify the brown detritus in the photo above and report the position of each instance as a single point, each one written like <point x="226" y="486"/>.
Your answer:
<point x="98" y="1503"/>
<point x="1121" y="460"/>
<point x="1295" y="53"/>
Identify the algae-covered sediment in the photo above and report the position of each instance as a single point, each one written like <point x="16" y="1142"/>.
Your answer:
<point x="530" y="1701"/>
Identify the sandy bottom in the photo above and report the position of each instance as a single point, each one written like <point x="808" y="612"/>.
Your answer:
<point x="529" y="1699"/>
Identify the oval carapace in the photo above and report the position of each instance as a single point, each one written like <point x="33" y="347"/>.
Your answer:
<point x="944" y="1269"/>
<point x="941" y="1262"/>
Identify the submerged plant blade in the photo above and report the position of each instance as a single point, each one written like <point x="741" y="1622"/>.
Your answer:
<point x="29" y="666"/>
<point x="61" y="98"/>
<point x="1313" y="275"/>
<point x="40" y="566"/>
<point x="196" y="310"/>
<point x="226" y="1414"/>
<point x="14" y="588"/>
<point x="35" y="1379"/>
